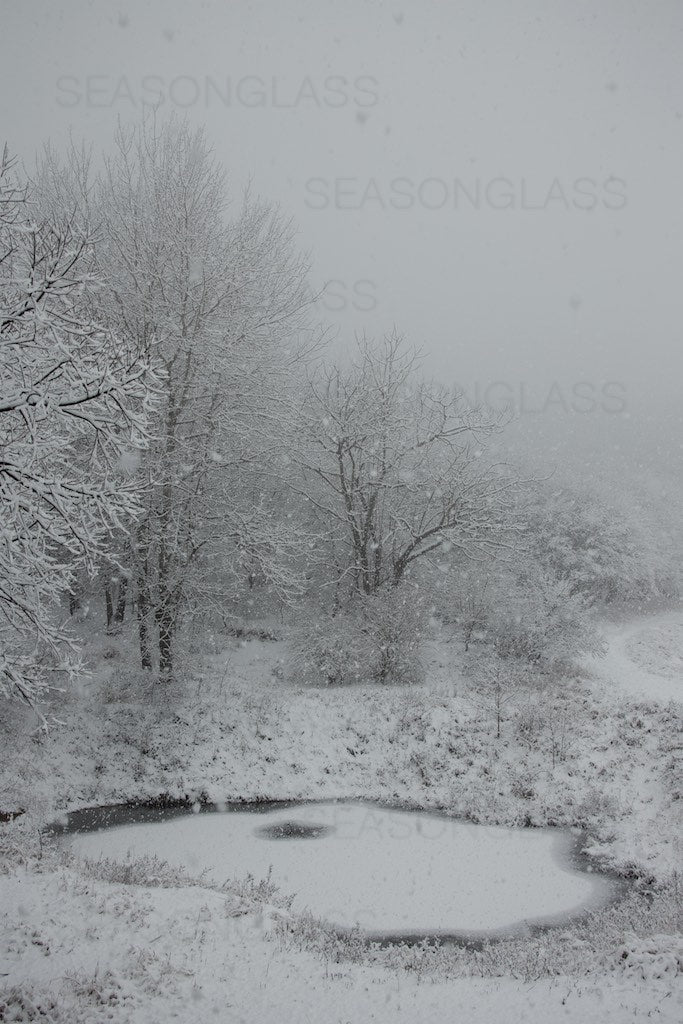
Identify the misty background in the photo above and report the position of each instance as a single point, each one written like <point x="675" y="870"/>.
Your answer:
<point x="501" y="182"/>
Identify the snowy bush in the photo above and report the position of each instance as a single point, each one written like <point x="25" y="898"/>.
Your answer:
<point x="394" y="620"/>
<point x="496" y="684"/>
<point x="309" y="932"/>
<point x="537" y="620"/>
<point x="245" y="894"/>
<point x="377" y="639"/>
<point x="549" y="715"/>
<point x="529" y="722"/>
<point x="658" y="956"/>
<point x="145" y="870"/>
<point x="126" y="683"/>
<point x="20" y="843"/>
<point x="520" y="610"/>
<point x="331" y="651"/>
<point x="602" y="553"/>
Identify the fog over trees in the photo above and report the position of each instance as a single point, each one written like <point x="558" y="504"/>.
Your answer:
<point x="177" y="434"/>
<point x="341" y="547"/>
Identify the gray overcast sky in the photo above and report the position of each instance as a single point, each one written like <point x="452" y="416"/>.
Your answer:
<point x="567" y="116"/>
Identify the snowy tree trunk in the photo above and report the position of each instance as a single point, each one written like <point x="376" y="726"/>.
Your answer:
<point x="120" y="610"/>
<point x="143" y="623"/>
<point x="166" y="624"/>
<point x="109" y="602"/>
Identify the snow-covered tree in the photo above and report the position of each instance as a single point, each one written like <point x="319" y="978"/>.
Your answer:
<point x="496" y="684"/>
<point x="516" y="609"/>
<point x="394" y="468"/>
<point x="601" y="552"/>
<point x="74" y="399"/>
<point x="536" y="618"/>
<point x="219" y="303"/>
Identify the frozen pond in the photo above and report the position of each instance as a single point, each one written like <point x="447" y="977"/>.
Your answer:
<point x="392" y="872"/>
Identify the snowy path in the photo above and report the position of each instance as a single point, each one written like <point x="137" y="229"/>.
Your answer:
<point x="645" y="655"/>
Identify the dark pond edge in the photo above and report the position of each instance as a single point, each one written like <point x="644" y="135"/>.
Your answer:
<point x="8" y="816"/>
<point x="166" y="808"/>
<point x="161" y="808"/>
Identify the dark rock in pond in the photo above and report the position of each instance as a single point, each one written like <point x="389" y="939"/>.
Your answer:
<point x="293" y="830"/>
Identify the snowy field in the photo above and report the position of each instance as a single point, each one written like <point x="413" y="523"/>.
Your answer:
<point x="133" y="939"/>
<point x="118" y="953"/>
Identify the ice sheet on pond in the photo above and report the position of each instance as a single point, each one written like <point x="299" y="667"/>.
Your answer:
<point x="391" y="871"/>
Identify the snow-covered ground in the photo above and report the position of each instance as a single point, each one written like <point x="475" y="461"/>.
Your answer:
<point x="79" y="944"/>
<point x="645" y="655"/>
<point x="90" y="952"/>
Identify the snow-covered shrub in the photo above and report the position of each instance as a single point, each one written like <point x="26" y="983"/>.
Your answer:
<point x="308" y="932"/>
<point x="537" y="620"/>
<point x="146" y="870"/>
<point x="394" y="620"/>
<point x="602" y="553"/>
<point x="331" y="651"/>
<point x="516" y="607"/>
<point x="243" y="895"/>
<point x="529" y="722"/>
<point x="496" y="683"/>
<point x="376" y="639"/>
<point x="597" y="806"/>
<point x="469" y="605"/>
<point x="549" y="715"/>
<point x="657" y="956"/>
<point x="522" y="781"/>
<point x="125" y="683"/>
<point x="20" y="843"/>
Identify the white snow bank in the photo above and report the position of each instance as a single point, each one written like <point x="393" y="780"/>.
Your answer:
<point x="384" y="870"/>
